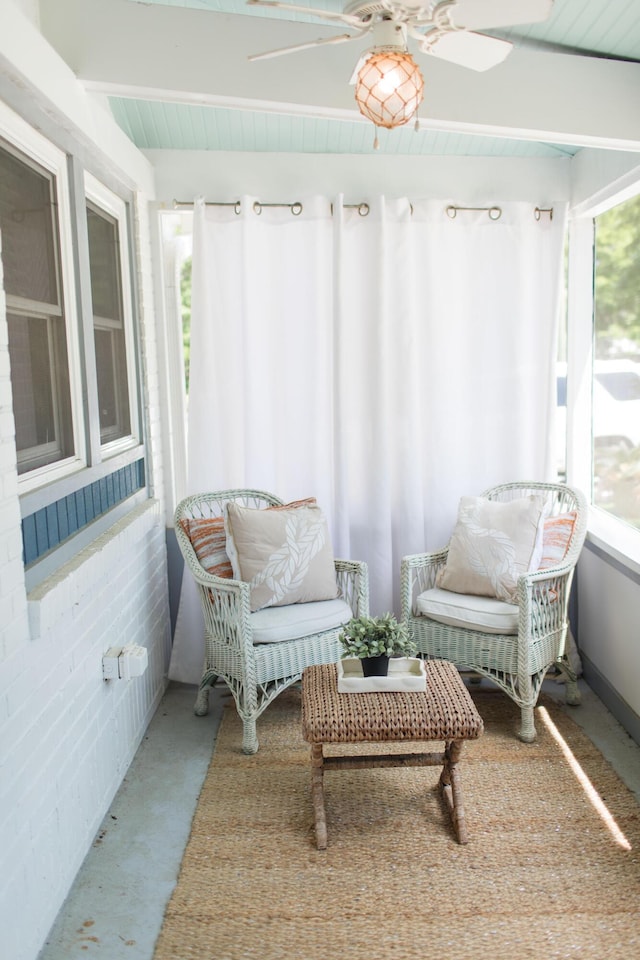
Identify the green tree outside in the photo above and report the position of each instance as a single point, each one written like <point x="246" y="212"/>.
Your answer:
<point x="617" y="280"/>
<point x="616" y="472"/>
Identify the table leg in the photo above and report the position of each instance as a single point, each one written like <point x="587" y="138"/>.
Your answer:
<point x="451" y="786"/>
<point x="317" y="795"/>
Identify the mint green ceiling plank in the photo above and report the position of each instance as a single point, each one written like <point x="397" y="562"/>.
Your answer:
<point x="155" y="125"/>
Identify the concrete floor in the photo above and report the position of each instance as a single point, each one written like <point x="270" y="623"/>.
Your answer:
<point x="116" y="905"/>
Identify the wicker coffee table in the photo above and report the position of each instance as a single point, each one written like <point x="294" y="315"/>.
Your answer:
<point x="444" y="712"/>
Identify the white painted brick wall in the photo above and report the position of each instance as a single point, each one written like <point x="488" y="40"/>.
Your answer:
<point x="67" y="737"/>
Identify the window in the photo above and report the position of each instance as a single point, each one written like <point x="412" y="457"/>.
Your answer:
<point x="64" y="246"/>
<point x="38" y="347"/>
<point x="616" y="368"/>
<point x="106" y="224"/>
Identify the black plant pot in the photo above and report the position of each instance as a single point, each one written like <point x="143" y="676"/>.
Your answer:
<point x="375" y="666"/>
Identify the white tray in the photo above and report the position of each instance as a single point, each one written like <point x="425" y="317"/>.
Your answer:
<point x="405" y="673"/>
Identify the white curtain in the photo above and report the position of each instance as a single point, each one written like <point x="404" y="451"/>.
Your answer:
<point x="386" y="364"/>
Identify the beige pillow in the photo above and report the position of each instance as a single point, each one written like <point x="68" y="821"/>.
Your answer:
<point x="285" y="554"/>
<point x="493" y="544"/>
<point x="230" y="546"/>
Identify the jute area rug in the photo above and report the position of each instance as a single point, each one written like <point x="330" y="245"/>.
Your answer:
<point x="542" y="876"/>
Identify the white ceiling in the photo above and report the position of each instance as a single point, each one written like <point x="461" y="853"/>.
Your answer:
<point x="175" y="75"/>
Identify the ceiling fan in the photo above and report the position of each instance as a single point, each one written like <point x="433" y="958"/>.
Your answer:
<point x="389" y="85"/>
<point x="443" y="29"/>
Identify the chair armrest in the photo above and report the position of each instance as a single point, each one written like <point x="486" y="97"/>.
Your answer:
<point x="543" y="598"/>
<point x="541" y="581"/>
<point x="353" y="584"/>
<point x="225" y="607"/>
<point x="418" y="573"/>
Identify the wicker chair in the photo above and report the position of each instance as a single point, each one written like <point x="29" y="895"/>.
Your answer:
<point x="517" y="659"/>
<point x="256" y="672"/>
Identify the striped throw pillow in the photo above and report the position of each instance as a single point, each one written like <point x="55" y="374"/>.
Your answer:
<point x="556" y="538"/>
<point x="209" y="541"/>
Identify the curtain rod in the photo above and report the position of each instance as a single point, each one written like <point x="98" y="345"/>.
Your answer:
<point x="495" y="212"/>
<point x="296" y="208"/>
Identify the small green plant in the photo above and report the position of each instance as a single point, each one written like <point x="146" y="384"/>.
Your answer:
<point x="375" y="636"/>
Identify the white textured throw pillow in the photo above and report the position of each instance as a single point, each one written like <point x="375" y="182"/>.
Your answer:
<point x="285" y="555"/>
<point x="493" y="544"/>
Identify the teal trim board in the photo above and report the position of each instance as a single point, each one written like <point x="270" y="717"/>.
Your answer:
<point x="47" y="528"/>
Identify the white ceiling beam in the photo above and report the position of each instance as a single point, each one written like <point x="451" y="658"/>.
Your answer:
<point x="352" y="115"/>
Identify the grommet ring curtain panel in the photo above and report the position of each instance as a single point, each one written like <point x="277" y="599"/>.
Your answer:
<point x="386" y="365"/>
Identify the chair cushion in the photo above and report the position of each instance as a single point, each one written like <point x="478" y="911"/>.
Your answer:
<point x="493" y="543"/>
<point x="485" y="614"/>
<point x="275" y="624"/>
<point x="285" y="555"/>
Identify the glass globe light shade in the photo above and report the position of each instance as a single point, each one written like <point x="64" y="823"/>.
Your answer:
<point x="389" y="88"/>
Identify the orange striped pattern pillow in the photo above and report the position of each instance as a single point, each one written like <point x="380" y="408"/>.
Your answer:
<point x="209" y="541"/>
<point x="556" y="538"/>
<point x="309" y="502"/>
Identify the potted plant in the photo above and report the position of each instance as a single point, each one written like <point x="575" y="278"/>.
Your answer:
<point x="373" y="640"/>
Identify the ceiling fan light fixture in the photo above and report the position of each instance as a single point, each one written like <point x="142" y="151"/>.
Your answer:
<point x="389" y="88"/>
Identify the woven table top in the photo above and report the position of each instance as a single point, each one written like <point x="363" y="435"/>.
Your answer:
<point x="445" y="711"/>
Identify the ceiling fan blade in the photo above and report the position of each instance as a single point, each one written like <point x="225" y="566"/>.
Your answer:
<point x="342" y="38"/>
<point x="310" y="11"/>
<point x="483" y="14"/>
<point x="471" y="50"/>
<point x="362" y="59"/>
<point x="545" y="46"/>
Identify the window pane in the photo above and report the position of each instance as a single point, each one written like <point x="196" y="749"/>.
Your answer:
<point x="110" y="344"/>
<point x="28" y="238"/>
<point x="40" y="385"/>
<point x="616" y="380"/>
<point x="104" y="256"/>
<point x="37" y="340"/>
<point x="112" y="384"/>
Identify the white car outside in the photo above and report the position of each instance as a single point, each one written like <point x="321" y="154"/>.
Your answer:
<point x="616" y="403"/>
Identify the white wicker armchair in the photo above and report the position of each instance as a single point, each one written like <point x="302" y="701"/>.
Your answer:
<point x="517" y="659"/>
<point x="256" y="672"/>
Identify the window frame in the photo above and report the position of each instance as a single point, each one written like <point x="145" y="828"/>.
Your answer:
<point x="97" y="194"/>
<point x="93" y="467"/>
<point x="613" y="536"/>
<point x="36" y="151"/>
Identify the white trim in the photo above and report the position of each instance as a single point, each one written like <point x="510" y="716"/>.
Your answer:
<point x="171" y="252"/>
<point x="32" y="144"/>
<point x="614" y="537"/>
<point x="44" y="476"/>
<point x="624" y="188"/>
<point x="580" y="354"/>
<point x="103" y="198"/>
<point x="127" y="91"/>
